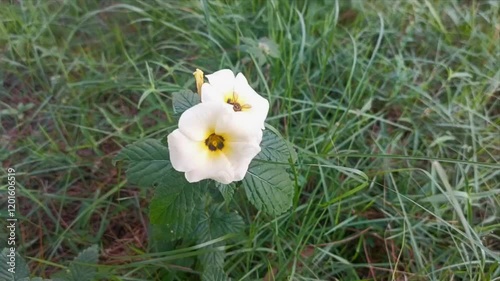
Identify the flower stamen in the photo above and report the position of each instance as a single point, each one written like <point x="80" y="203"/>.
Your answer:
<point x="214" y="142"/>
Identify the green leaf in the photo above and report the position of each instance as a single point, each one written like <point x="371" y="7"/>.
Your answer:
<point x="83" y="267"/>
<point x="157" y="238"/>
<point x="177" y="206"/>
<point x="184" y="100"/>
<point x="214" y="258"/>
<point x="215" y="223"/>
<point x="214" y="274"/>
<point x="214" y="192"/>
<point x="20" y="271"/>
<point x="148" y="162"/>
<point x="144" y="95"/>
<point x="275" y="149"/>
<point x="227" y="190"/>
<point x="269" y="187"/>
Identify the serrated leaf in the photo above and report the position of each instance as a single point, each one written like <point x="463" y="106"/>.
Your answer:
<point x="214" y="192"/>
<point x="83" y="267"/>
<point x="275" y="149"/>
<point x="213" y="224"/>
<point x="4" y="267"/>
<point x="177" y="206"/>
<point x="148" y="162"/>
<point x="21" y="270"/>
<point x="214" y="258"/>
<point x="214" y="274"/>
<point x="157" y="238"/>
<point x="184" y="100"/>
<point x="268" y="187"/>
<point x="227" y="190"/>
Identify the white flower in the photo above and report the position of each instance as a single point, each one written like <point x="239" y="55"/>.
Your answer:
<point x="236" y="94"/>
<point x="210" y="144"/>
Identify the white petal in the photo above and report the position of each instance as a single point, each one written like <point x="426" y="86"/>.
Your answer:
<point x="260" y="109"/>
<point x="210" y="94"/>
<point x="213" y="167"/>
<point x="199" y="121"/>
<point x="240" y="79"/>
<point x="259" y="105"/>
<point x="222" y="81"/>
<point x="238" y="127"/>
<point x="185" y="154"/>
<point x="240" y="156"/>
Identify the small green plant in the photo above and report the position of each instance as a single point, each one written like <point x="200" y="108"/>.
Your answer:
<point x="82" y="268"/>
<point x="221" y="144"/>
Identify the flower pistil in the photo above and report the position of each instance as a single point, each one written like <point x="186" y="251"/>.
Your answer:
<point x="214" y="142"/>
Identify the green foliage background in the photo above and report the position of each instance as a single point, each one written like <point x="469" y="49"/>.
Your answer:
<point x="392" y="106"/>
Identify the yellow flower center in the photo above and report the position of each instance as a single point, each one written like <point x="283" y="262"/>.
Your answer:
<point x="214" y="142"/>
<point x="237" y="106"/>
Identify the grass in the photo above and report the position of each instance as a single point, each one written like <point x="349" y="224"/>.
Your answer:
<point x="393" y="107"/>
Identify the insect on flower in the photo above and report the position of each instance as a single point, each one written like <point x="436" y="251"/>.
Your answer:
<point x="236" y="94"/>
